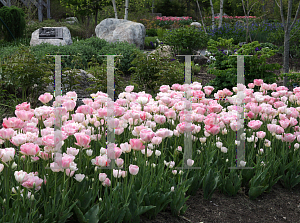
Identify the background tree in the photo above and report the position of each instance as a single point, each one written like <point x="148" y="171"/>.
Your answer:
<point x="221" y="13"/>
<point x="287" y="25"/>
<point x="212" y="14"/>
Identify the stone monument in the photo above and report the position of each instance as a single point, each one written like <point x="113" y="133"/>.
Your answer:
<point x="53" y="35"/>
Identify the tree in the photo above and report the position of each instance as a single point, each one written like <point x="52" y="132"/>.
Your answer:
<point x="115" y="8"/>
<point x="126" y="10"/>
<point x="212" y="14"/>
<point x="221" y="13"/>
<point x="287" y="31"/>
<point x="203" y="25"/>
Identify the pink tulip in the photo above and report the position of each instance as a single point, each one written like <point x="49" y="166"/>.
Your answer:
<point x="14" y="123"/>
<point x="133" y="169"/>
<point x="83" y="140"/>
<point x="251" y="85"/>
<point x="106" y="182"/>
<point x="24" y="115"/>
<point x="66" y="160"/>
<point x="136" y="144"/>
<point x="156" y="140"/>
<point x="258" y="82"/>
<point x="212" y="129"/>
<point x="24" y="106"/>
<point x="114" y="153"/>
<point x="256" y="109"/>
<point x="69" y="105"/>
<point x="69" y="172"/>
<point x="102" y="161"/>
<point x="255" y="124"/>
<point x="78" y="117"/>
<point x="6" y="133"/>
<point x="18" y="139"/>
<point x="164" y="88"/>
<point x="45" y="98"/>
<point x="284" y="123"/>
<point x="29" y="149"/>
<point x="260" y="134"/>
<point x="129" y="88"/>
<point x="85" y="109"/>
<point x="32" y="182"/>
<point x="102" y="176"/>
<point x="147" y="135"/>
<point x="288" y="137"/>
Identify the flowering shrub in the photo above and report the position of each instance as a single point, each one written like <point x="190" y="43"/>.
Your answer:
<point x="224" y="65"/>
<point x="168" y="21"/>
<point x="97" y="181"/>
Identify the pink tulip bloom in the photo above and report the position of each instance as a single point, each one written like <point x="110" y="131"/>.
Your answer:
<point x="129" y="88"/>
<point x="85" y="109"/>
<point x="102" y="176"/>
<point x="147" y="135"/>
<point x="156" y="140"/>
<point x="14" y="123"/>
<point x="119" y="162"/>
<point x="6" y="133"/>
<point x="212" y="129"/>
<point x="106" y="182"/>
<point x="279" y="130"/>
<point x="136" y="144"/>
<point x="163" y="133"/>
<point x="293" y="121"/>
<point x="133" y="169"/>
<point x="69" y="105"/>
<point x="18" y="139"/>
<point x="215" y="108"/>
<point x="255" y="124"/>
<point x="32" y="182"/>
<point x="24" y="106"/>
<point x="78" y="117"/>
<point x="258" y="82"/>
<point x="114" y="153"/>
<point x="164" y="88"/>
<point x="83" y="140"/>
<point x="24" y="115"/>
<point x="288" y="137"/>
<point x="29" y="149"/>
<point x="45" y="98"/>
<point x="260" y="134"/>
<point x="69" y="172"/>
<point x="256" y="109"/>
<point x="284" y="123"/>
<point x="66" y="160"/>
<point x="102" y="161"/>
<point x="251" y="85"/>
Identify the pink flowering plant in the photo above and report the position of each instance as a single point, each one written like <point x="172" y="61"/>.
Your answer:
<point x="141" y="172"/>
<point x="165" y="21"/>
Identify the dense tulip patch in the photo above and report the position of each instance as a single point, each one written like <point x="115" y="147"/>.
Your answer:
<point x="141" y="173"/>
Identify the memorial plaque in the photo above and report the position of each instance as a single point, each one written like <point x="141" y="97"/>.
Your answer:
<point x="50" y="33"/>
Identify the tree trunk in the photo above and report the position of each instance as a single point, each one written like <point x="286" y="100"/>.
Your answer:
<point x="152" y="6"/>
<point x="286" y="56"/>
<point x="201" y="17"/>
<point x="126" y="10"/>
<point x="115" y="8"/>
<point x="96" y="17"/>
<point x="212" y="15"/>
<point x="221" y="13"/>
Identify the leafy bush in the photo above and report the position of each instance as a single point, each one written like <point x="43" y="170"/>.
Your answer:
<point x="186" y="39"/>
<point x="22" y="76"/>
<point x="150" y="72"/>
<point x="121" y="48"/>
<point x="151" y="32"/>
<point x="14" y="19"/>
<point x="151" y="43"/>
<point x="224" y="67"/>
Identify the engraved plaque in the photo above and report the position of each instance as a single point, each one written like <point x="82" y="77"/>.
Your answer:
<point x="50" y="33"/>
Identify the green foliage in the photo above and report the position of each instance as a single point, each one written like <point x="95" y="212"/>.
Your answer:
<point x="151" y="32"/>
<point x="84" y="48"/>
<point x="121" y="48"/>
<point x="13" y="17"/>
<point x="294" y="77"/>
<point x="224" y="67"/>
<point x="21" y="71"/>
<point x="150" y="72"/>
<point x="151" y="43"/>
<point x="100" y="80"/>
<point x="186" y="39"/>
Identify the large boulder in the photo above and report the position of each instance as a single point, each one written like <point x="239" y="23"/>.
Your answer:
<point x="67" y="40"/>
<point x="80" y="89"/>
<point x="113" y="30"/>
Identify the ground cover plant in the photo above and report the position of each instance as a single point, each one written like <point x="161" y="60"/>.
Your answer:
<point x="41" y="186"/>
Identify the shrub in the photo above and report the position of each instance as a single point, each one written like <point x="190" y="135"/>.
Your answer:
<point x="186" y="39"/>
<point x="150" y="72"/>
<point x="22" y="76"/>
<point x="151" y="43"/>
<point x="151" y="32"/>
<point x="121" y="48"/>
<point x="13" y="17"/>
<point x="224" y="67"/>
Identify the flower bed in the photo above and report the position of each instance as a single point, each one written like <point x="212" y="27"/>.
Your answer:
<point x="140" y="173"/>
